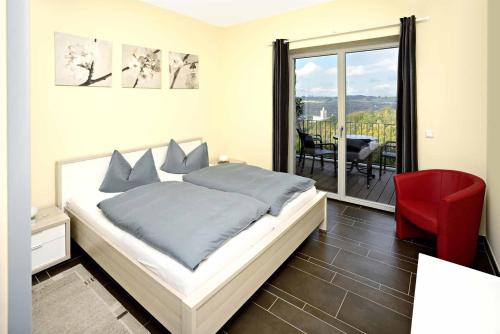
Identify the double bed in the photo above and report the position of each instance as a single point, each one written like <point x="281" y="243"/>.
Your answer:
<point x="183" y="300"/>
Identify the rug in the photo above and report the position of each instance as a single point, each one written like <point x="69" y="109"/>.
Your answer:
<point x="75" y="302"/>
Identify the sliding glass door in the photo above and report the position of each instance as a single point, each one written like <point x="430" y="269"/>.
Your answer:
<point x="343" y="109"/>
<point x="316" y="120"/>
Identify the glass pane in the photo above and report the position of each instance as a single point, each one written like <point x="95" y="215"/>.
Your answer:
<point x="316" y="119"/>
<point x="371" y="90"/>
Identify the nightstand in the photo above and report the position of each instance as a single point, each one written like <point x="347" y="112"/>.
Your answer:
<point x="231" y="161"/>
<point x="50" y="239"/>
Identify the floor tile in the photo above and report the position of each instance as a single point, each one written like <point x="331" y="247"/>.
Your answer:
<point x="300" y="319"/>
<point x="352" y="275"/>
<point x="410" y="249"/>
<point x="370" y="215"/>
<point x="343" y="326"/>
<point x="377" y="271"/>
<point x="339" y="243"/>
<point x="376" y="239"/>
<point x="284" y="295"/>
<point x="263" y="298"/>
<point x="396" y="293"/>
<point x="398" y="305"/>
<point x="42" y="276"/>
<point x="413" y="284"/>
<point x="309" y="289"/>
<point x="319" y="250"/>
<point x="393" y="261"/>
<point x="311" y="268"/>
<point x="253" y="319"/>
<point x="482" y="263"/>
<point x="375" y="227"/>
<point x="371" y="317"/>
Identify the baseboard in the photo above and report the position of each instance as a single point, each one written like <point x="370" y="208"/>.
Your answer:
<point x="491" y="256"/>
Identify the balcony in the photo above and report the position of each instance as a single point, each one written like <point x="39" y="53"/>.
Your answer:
<point x="380" y="188"/>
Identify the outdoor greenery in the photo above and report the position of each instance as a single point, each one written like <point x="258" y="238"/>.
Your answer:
<point x="380" y="124"/>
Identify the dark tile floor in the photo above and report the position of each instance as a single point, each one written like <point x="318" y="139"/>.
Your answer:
<point x="355" y="278"/>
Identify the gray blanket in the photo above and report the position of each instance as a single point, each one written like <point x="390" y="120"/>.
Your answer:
<point x="272" y="188"/>
<point x="182" y="220"/>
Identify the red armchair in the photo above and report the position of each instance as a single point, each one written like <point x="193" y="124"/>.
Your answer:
<point x="444" y="203"/>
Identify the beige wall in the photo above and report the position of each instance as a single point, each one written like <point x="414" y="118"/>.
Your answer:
<point x="3" y="171"/>
<point x="493" y="166"/>
<point x="75" y="121"/>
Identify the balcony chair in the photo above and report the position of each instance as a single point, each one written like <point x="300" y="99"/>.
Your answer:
<point x="313" y="146"/>
<point x="387" y="151"/>
<point x="444" y="203"/>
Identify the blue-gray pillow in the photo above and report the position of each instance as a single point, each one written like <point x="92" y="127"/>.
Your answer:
<point x="177" y="162"/>
<point x="121" y="177"/>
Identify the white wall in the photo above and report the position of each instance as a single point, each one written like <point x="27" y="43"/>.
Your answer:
<point x="18" y="168"/>
<point x="493" y="166"/>
<point x="3" y="172"/>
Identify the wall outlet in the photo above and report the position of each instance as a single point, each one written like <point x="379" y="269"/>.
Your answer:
<point x="429" y="133"/>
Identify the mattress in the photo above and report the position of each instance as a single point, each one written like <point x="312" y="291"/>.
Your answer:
<point x="183" y="280"/>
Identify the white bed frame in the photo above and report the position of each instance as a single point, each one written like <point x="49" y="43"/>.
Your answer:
<point x="209" y="306"/>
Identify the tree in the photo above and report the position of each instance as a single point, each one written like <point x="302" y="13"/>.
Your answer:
<point x="299" y="107"/>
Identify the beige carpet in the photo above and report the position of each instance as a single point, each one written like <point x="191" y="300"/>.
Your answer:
<point x="74" y="302"/>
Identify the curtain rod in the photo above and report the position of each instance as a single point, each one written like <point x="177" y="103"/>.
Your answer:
<point x="421" y="19"/>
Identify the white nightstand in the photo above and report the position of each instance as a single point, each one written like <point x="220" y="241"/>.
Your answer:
<point x="50" y="239"/>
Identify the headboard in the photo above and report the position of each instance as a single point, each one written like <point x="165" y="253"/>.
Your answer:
<point x="75" y="175"/>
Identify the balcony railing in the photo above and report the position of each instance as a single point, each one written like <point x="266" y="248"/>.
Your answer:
<point x="327" y="129"/>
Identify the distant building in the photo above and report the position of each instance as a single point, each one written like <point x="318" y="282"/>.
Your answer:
<point x="322" y="115"/>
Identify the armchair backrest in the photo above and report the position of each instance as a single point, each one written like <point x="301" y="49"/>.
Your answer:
<point x="306" y="140"/>
<point x="434" y="184"/>
<point x="452" y="181"/>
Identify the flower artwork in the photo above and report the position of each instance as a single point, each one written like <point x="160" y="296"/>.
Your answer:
<point x="141" y="67"/>
<point x="183" y="70"/>
<point x="82" y="61"/>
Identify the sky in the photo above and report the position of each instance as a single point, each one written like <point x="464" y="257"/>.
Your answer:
<point x="371" y="73"/>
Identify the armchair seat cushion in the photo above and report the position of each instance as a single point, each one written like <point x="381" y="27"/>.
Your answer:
<point x="422" y="214"/>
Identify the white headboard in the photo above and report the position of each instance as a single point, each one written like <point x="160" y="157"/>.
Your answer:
<point x="81" y="174"/>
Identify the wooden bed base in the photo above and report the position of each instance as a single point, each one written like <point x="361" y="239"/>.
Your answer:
<point x="210" y="306"/>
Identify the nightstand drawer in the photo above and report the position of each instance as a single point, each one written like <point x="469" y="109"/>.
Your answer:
<point x="48" y="235"/>
<point x="43" y="254"/>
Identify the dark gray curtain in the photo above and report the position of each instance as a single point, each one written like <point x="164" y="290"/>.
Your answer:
<point x="406" y="112"/>
<point x="280" y="105"/>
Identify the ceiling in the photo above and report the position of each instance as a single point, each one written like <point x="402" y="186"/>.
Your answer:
<point x="230" y="12"/>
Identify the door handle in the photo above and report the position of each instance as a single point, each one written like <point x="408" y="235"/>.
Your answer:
<point x="341" y="131"/>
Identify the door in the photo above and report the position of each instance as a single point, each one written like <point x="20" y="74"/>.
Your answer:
<point x="343" y="109"/>
<point x="314" y="147"/>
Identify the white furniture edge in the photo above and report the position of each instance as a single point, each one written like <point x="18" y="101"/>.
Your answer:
<point x="210" y="306"/>
<point x="450" y="298"/>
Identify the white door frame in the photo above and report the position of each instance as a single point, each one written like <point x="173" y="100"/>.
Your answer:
<point x="341" y="94"/>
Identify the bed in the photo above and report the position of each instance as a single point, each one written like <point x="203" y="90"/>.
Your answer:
<point x="184" y="301"/>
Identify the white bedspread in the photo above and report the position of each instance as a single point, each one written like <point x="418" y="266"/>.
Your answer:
<point x="172" y="272"/>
